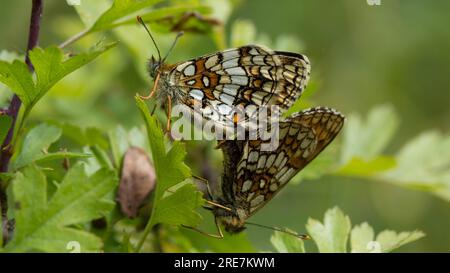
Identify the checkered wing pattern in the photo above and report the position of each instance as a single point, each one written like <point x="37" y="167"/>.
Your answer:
<point x="249" y="76"/>
<point x="261" y="174"/>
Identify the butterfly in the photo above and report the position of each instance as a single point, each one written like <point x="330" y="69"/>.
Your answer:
<point x="252" y="176"/>
<point x="214" y="85"/>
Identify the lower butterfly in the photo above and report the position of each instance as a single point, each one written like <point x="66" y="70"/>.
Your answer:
<point x="252" y="176"/>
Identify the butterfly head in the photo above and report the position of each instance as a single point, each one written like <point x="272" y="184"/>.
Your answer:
<point x="153" y="66"/>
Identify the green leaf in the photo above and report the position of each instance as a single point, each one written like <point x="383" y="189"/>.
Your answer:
<point x="157" y="15"/>
<point x="36" y="142"/>
<point x="285" y="243"/>
<point x="16" y="76"/>
<point x="178" y="208"/>
<point x="5" y="92"/>
<point x="44" y="225"/>
<point x="119" y="144"/>
<point x="6" y="176"/>
<point x="366" y="168"/>
<point x="330" y="236"/>
<point x="367" y="139"/>
<point x="5" y="124"/>
<point x="390" y="240"/>
<point x="61" y="155"/>
<point x="363" y="239"/>
<point x="424" y="163"/>
<point x="89" y="136"/>
<point x="119" y="10"/>
<point x="50" y="67"/>
<point x="174" y="202"/>
<point x="243" y="32"/>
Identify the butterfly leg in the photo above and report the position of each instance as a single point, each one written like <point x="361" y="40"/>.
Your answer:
<point x="208" y="189"/>
<point x="217" y="236"/>
<point x="204" y="180"/>
<point x="169" y="112"/>
<point x="220" y="143"/>
<point x="152" y="93"/>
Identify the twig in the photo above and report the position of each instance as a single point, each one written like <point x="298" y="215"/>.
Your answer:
<point x="74" y="38"/>
<point x="6" y="150"/>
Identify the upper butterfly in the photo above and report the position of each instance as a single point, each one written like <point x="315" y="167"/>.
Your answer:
<point x="214" y="85"/>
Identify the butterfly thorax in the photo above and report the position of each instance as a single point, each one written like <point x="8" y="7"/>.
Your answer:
<point x="167" y="83"/>
<point x="233" y="220"/>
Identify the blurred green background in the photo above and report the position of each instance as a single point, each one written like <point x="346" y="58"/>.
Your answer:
<point x="361" y="55"/>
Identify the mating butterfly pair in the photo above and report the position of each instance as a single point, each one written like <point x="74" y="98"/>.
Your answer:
<point x="249" y="76"/>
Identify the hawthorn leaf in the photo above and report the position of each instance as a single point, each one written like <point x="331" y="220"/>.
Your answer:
<point x="35" y="142"/>
<point x="285" y="243"/>
<point x="50" y="66"/>
<point x="175" y="199"/>
<point x="46" y="225"/>
<point x="330" y="236"/>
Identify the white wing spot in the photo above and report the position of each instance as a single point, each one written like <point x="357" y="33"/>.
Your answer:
<point x="239" y="71"/>
<point x="239" y="80"/>
<point x="230" y="63"/>
<point x="227" y="99"/>
<point x="230" y="54"/>
<point x="270" y="160"/>
<point x="247" y="185"/>
<point x="212" y="61"/>
<point x="256" y="201"/>
<point x="250" y="196"/>
<point x="287" y="175"/>
<point x="261" y="161"/>
<point x="189" y="70"/>
<point x="205" y="81"/>
<point x="262" y="182"/>
<point x="253" y="51"/>
<point x="182" y="66"/>
<point x="224" y="109"/>
<point x="253" y="156"/>
<point x="231" y="89"/>
<point x="279" y="159"/>
<point x="196" y="94"/>
<point x="273" y="186"/>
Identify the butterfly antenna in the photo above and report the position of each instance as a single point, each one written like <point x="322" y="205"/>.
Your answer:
<point x="139" y="19"/>
<point x="300" y="236"/>
<point x="179" y="34"/>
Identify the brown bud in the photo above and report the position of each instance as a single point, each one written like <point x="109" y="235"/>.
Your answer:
<point x="137" y="181"/>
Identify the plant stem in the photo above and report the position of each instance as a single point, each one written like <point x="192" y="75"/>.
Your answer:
<point x="74" y="38"/>
<point x="6" y="150"/>
<point x="147" y="230"/>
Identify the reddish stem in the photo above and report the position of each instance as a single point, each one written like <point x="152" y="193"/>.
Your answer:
<point x="6" y="150"/>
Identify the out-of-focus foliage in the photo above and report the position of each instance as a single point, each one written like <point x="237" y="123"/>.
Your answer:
<point x="50" y="67"/>
<point x="332" y="236"/>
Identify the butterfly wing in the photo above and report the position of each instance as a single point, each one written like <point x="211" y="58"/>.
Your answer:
<point x="261" y="174"/>
<point x="249" y="76"/>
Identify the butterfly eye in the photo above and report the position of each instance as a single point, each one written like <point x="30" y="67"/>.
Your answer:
<point x="153" y="65"/>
